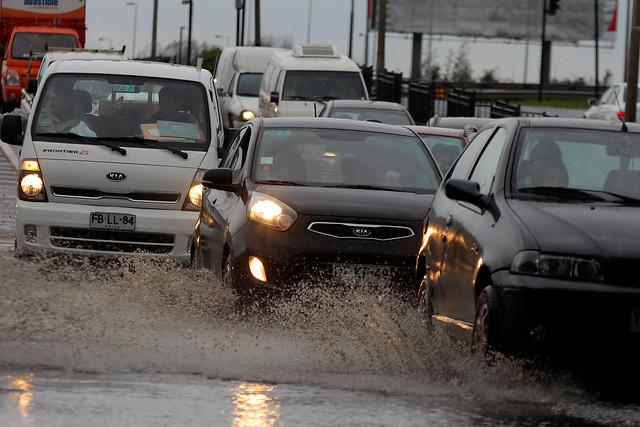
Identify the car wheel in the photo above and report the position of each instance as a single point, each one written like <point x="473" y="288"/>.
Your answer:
<point x="425" y="302"/>
<point x="486" y="326"/>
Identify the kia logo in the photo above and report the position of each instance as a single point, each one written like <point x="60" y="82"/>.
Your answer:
<point x="116" y="176"/>
<point x="361" y="232"/>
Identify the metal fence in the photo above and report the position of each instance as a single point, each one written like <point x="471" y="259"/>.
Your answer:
<point x="424" y="100"/>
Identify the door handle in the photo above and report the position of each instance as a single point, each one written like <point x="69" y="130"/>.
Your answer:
<point x="448" y="221"/>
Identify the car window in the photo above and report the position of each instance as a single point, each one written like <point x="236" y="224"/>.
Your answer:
<point x="484" y="171"/>
<point x="445" y="149"/>
<point x="231" y="157"/>
<point x="391" y="117"/>
<point x="466" y="160"/>
<point x="322" y="85"/>
<point x="249" y="84"/>
<point x="171" y="112"/>
<point x="579" y="159"/>
<point x="344" y="158"/>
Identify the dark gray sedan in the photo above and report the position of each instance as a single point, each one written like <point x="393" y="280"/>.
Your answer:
<point x="533" y="240"/>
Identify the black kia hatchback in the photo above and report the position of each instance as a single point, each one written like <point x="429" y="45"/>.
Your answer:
<point x="316" y="200"/>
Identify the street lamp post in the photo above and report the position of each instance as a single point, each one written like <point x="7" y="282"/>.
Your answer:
<point x="190" y="3"/>
<point x="104" y="39"/>
<point x="180" y="47"/>
<point x="135" y="24"/>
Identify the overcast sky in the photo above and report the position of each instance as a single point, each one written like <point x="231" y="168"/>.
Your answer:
<point x="214" y="22"/>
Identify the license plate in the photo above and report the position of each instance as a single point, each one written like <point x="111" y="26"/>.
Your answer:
<point x="112" y="221"/>
<point x="635" y="320"/>
<point x="350" y="273"/>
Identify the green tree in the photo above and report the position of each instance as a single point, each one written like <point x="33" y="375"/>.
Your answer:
<point x="489" y="76"/>
<point x="458" y="66"/>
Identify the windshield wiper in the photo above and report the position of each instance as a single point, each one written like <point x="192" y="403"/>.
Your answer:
<point x="92" y="139"/>
<point x="150" y="142"/>
<point x="627" y="200"/>
<point x="562" y="192"/>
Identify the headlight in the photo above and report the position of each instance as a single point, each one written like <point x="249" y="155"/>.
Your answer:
<point x="30" y="182"/>
<point x="247" y="115"/>
<point x="13" y="78"/>
<point x="194" y="197"/>
<point x="271" y="212"/>
<point x="559" y="266"/>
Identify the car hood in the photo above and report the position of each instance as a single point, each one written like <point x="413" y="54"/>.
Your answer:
<point x="248" y="103"/>
<point x="96" y="175"/>
<point x="582" y="229"/>
<point x="348" y="202"/>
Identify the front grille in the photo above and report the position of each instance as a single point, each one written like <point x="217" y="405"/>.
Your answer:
<point x="623" y="272"/>
<point x="111" y="241"/>
<point x="134" y="196"/>
<point x="341" y="230"/>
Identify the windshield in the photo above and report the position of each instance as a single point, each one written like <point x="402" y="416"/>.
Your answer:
<point x="323" y="85"/>
<point x="23" y="43"/>
<point x="249" y="84"/>
<point x="344" y="158"/>
<point x="578" y="159"/>
<point x="126" y="108"/>
<point x="392" y="117"/>
<point x="445" y="149"/>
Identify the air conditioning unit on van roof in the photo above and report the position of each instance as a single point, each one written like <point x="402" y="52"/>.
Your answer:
<point x="316" y="51"/>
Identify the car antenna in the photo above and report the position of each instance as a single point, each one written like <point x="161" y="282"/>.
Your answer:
<point x="622" y="116"/>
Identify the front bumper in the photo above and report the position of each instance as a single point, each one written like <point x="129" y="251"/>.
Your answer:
<point x="64" y="228"/>
<point x="537" y="311"/>
<point x="299" y="255"/>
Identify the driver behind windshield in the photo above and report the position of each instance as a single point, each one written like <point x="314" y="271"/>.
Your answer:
<point x="64" y="113"/>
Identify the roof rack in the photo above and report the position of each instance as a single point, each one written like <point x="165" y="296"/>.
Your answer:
<point x="78" y="49"/>
<point x="303" y="50"/>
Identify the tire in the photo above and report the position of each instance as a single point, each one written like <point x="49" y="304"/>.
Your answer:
<point x="425" y="302"/>
<point x="486" y="326"/>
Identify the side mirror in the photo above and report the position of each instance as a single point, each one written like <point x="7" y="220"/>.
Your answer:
<point x="275" y="97"/>
<point x="466" y="191"/>
<point x="32" y="86"/>
<point x="11" y="129"/>
<point x="592" y="101"/>
<point x="220" y="179"/>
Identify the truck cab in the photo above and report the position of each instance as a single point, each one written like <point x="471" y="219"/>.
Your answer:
<point x="22" y="57"/>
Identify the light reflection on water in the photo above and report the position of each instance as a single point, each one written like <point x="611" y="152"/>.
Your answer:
<point x="254" y="406"/>
<point x="23" y="398"/>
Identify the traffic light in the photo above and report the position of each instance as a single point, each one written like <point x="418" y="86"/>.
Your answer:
<point x="554" y="5"/>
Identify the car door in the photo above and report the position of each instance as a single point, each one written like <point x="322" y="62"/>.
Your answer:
<point x="218" y="206"/>
<point x="463" y="256"/>
<point x="439" y="226"/>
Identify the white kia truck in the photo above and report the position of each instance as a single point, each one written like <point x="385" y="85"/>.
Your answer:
<point x="109" y="165"/>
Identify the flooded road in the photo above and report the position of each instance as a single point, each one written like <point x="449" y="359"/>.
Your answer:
<point x="153" y="343"/>
<point x="143" y="342"/>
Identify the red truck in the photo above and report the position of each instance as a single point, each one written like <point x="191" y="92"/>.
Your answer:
<point x="27" y="28"/>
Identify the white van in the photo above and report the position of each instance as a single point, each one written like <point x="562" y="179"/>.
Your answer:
<point x="238" y="76"/>
<point x="112" y="158"/>
<point x="297" y="83"/>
